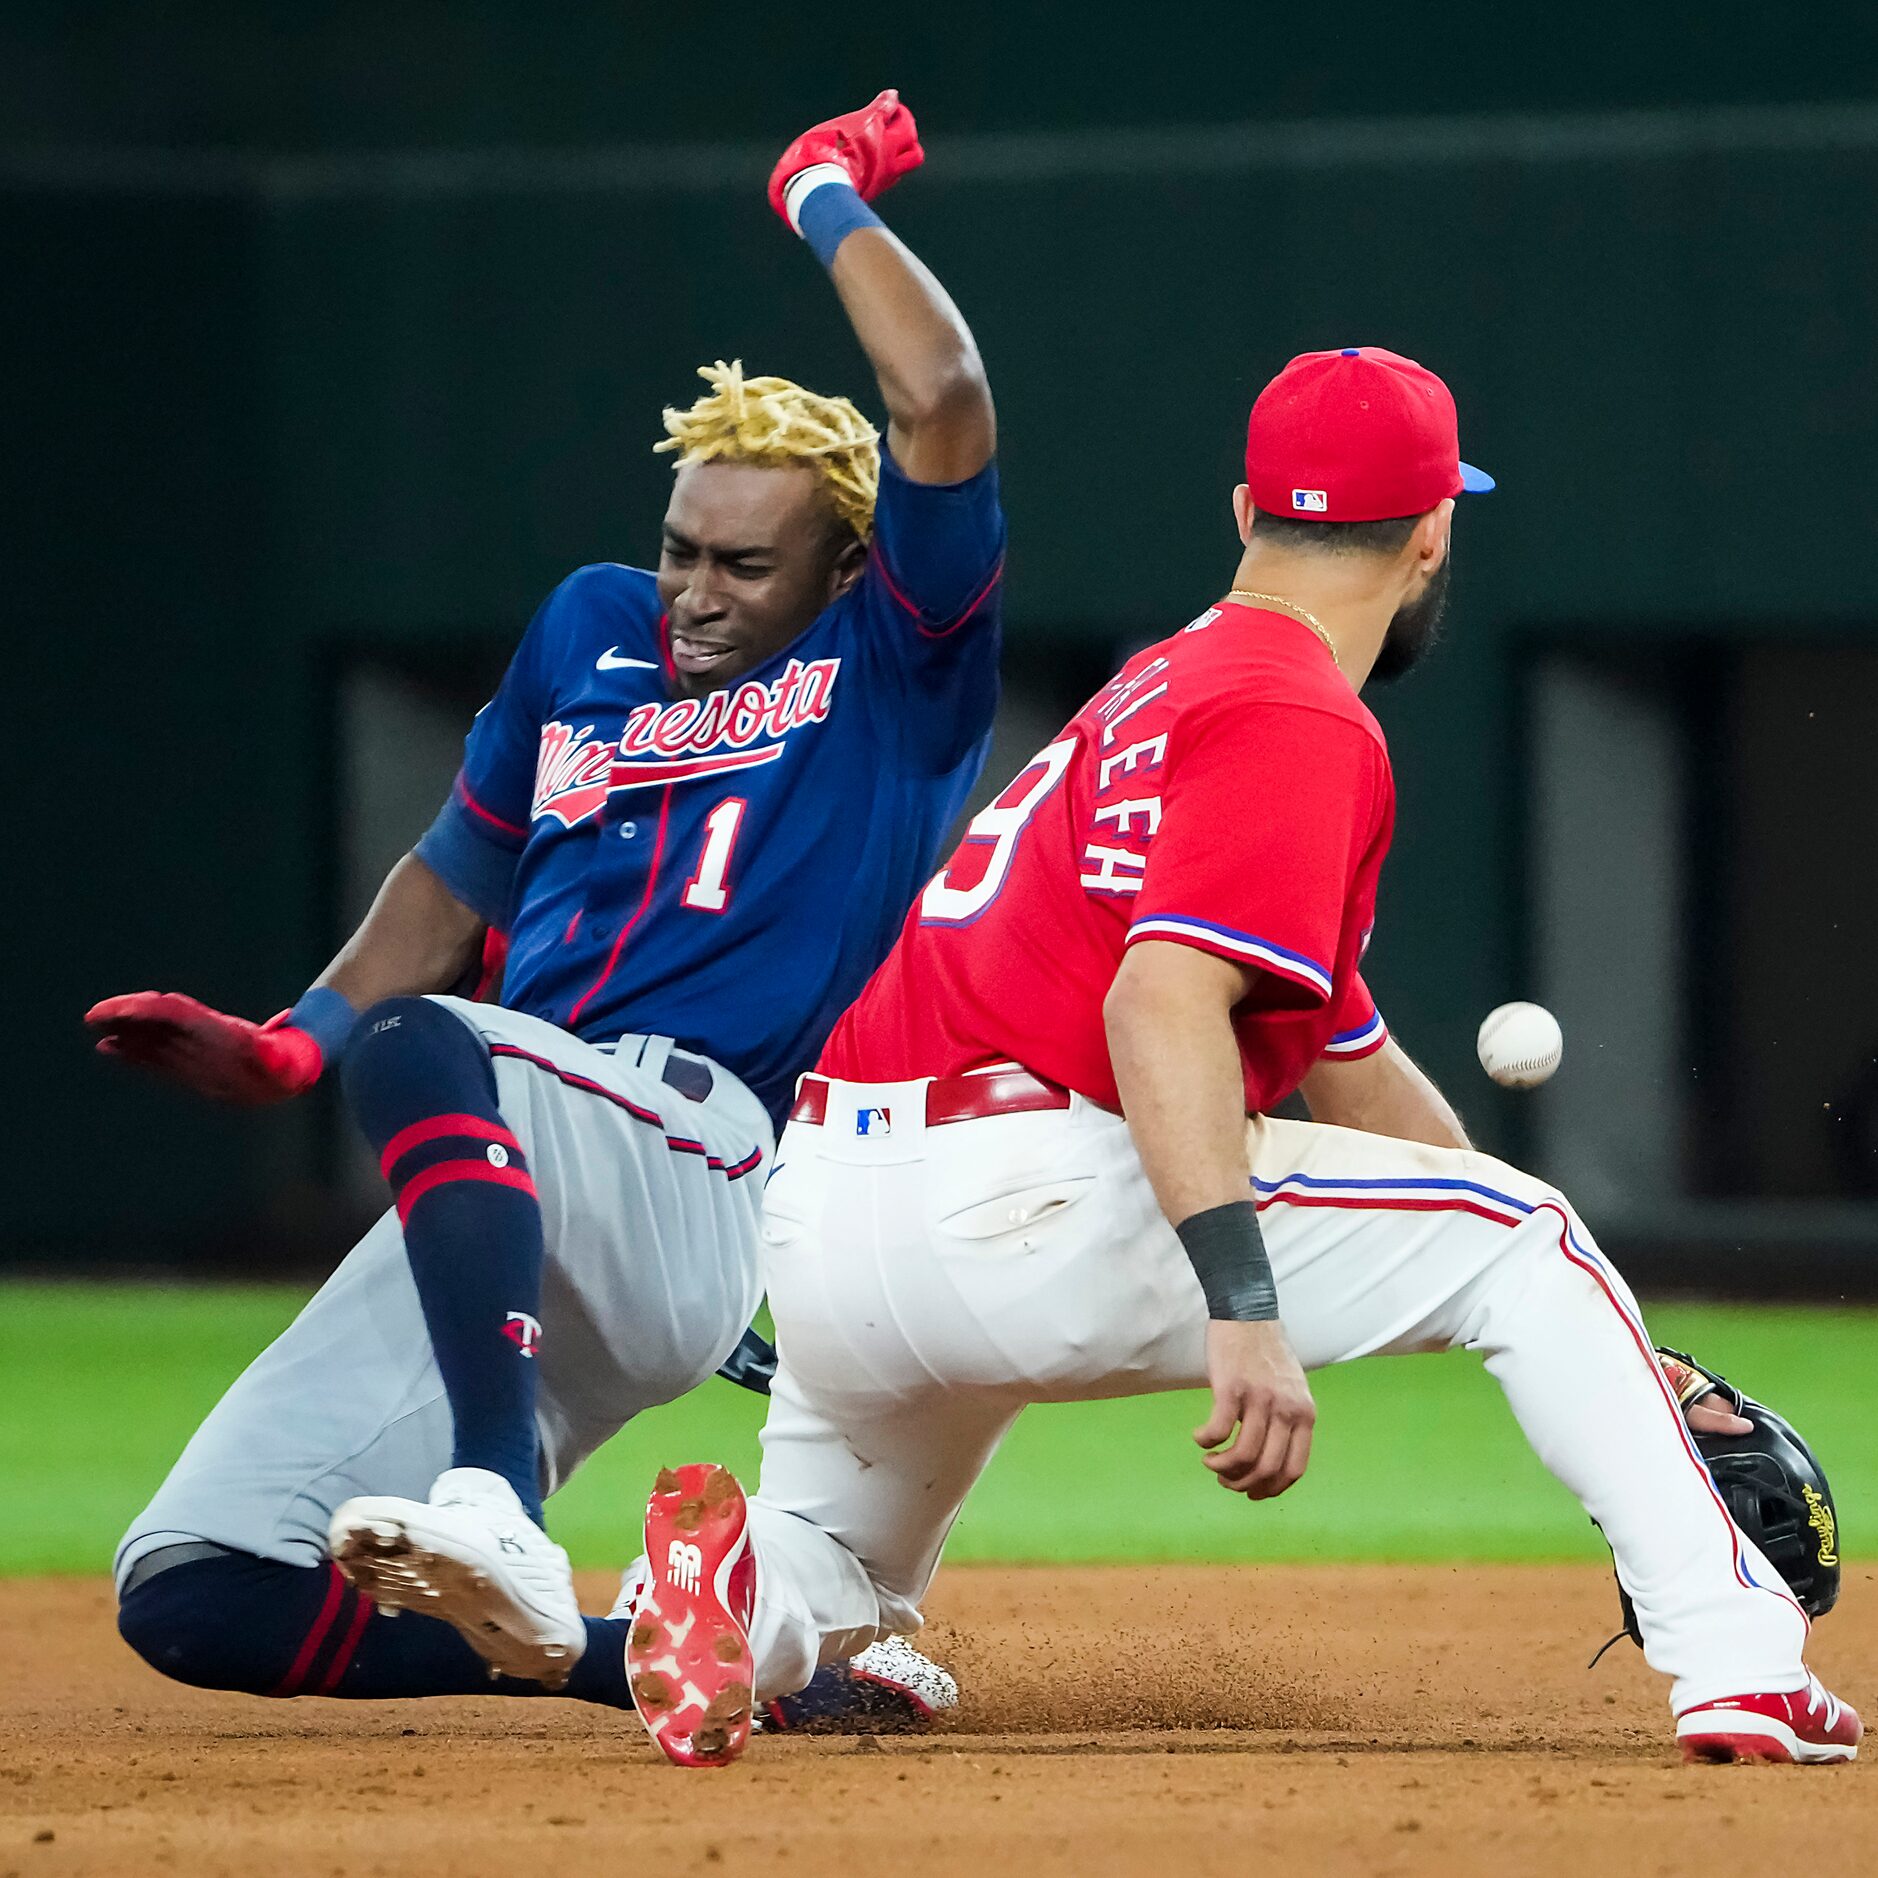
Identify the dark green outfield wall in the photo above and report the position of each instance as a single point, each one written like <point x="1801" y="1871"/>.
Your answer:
<point x="258" y="407"/>
<point x="367" y="75"/>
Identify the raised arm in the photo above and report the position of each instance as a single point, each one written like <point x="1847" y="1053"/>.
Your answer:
<point x="941" y="425"/>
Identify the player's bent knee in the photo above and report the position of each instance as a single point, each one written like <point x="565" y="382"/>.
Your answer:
<point x="395" y="1029"/>
<point x="221" y="1623"/>
<point x="413" y="1056"/>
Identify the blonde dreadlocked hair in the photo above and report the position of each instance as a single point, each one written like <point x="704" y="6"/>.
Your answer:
<point x="773" y="421"/>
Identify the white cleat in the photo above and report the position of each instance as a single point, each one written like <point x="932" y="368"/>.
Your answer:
<point x="894" y="1663"/>
<point x="473" y="1557"/>
<point x="890" y="1688"/>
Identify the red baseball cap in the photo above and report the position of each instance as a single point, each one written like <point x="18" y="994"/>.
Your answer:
<point x="1360" y="435"/>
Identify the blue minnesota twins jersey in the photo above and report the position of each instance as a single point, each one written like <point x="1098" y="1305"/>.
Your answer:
<point x="728" y="870"/>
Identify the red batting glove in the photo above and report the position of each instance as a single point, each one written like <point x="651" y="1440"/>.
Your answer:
<point x="876" y="145"/>
<point x="225" y="1057"/>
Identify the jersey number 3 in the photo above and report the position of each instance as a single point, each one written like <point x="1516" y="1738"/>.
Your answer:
<point x="998" y="826"/>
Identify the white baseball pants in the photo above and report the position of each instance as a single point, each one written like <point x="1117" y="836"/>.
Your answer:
<point x="927" y="1283"/>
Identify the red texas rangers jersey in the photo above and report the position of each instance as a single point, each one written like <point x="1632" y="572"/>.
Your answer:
<point x="1227" y="790"/>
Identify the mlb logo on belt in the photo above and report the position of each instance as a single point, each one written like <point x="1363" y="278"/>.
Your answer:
<point x="1310" y="501"/>
<point x="872" y="1122"/>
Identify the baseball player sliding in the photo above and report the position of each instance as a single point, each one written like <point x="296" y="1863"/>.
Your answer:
<point x="1023" y="1171"/>
<point x="698" y="806"/>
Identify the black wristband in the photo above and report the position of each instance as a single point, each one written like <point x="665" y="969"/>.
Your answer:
<point x="1227" y="1250"/>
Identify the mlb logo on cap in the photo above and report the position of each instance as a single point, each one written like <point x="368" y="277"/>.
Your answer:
<point x="1356" y="435"/>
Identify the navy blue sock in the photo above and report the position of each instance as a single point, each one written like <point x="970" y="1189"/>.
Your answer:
<point x="421" y="1086"/>
<point x="266" y="1628"/>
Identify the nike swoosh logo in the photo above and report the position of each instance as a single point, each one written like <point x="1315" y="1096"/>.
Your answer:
<point x="609" y="662"/>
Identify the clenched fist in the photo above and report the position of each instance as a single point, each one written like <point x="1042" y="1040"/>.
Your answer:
<point x="1259" y="1388"/>
<point x="875" y="145"/>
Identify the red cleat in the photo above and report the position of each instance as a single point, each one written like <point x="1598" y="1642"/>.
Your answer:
<point x="1808" y="1727"/>
<point x="688" y="1655"/>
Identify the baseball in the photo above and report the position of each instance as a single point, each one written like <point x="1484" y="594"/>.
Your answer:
<point x="1520" y="1045"/>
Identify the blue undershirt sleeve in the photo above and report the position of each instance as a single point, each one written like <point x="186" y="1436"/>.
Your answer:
<point x="938" y="550"/>
<point x="478" y="868"/>
<point x="929" y="613"/>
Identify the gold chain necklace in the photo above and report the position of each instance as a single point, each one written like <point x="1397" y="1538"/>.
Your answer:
<point x="1297" y="612"/>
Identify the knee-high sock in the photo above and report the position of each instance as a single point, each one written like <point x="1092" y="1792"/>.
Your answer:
<point x="420" y="1085"/>
<point x="267" y="1628"/>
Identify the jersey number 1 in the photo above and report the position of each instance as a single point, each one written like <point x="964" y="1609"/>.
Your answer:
<point x="706" y="889"/>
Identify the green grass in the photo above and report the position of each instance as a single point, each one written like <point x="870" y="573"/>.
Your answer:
<point x="1416" y="1458"/>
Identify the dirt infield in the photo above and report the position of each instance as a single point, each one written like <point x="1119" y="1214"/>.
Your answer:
<point x="1346" y="1720"/>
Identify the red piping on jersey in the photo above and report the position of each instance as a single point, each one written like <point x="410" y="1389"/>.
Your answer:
<point x="495" y="962"/>
<point x="290" y="1683"/>
<point x="470" y="802"/>
<point x="679" y="1144"/>
<point x="937" y="632"/>
<point x="619" y="944"/>
<point x="978" y="600"/>
<point x="434" y="1129"/>
<point x="469" y="1172"/>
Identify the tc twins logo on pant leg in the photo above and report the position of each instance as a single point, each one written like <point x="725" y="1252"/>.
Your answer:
<point x="523" y="1331"/>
